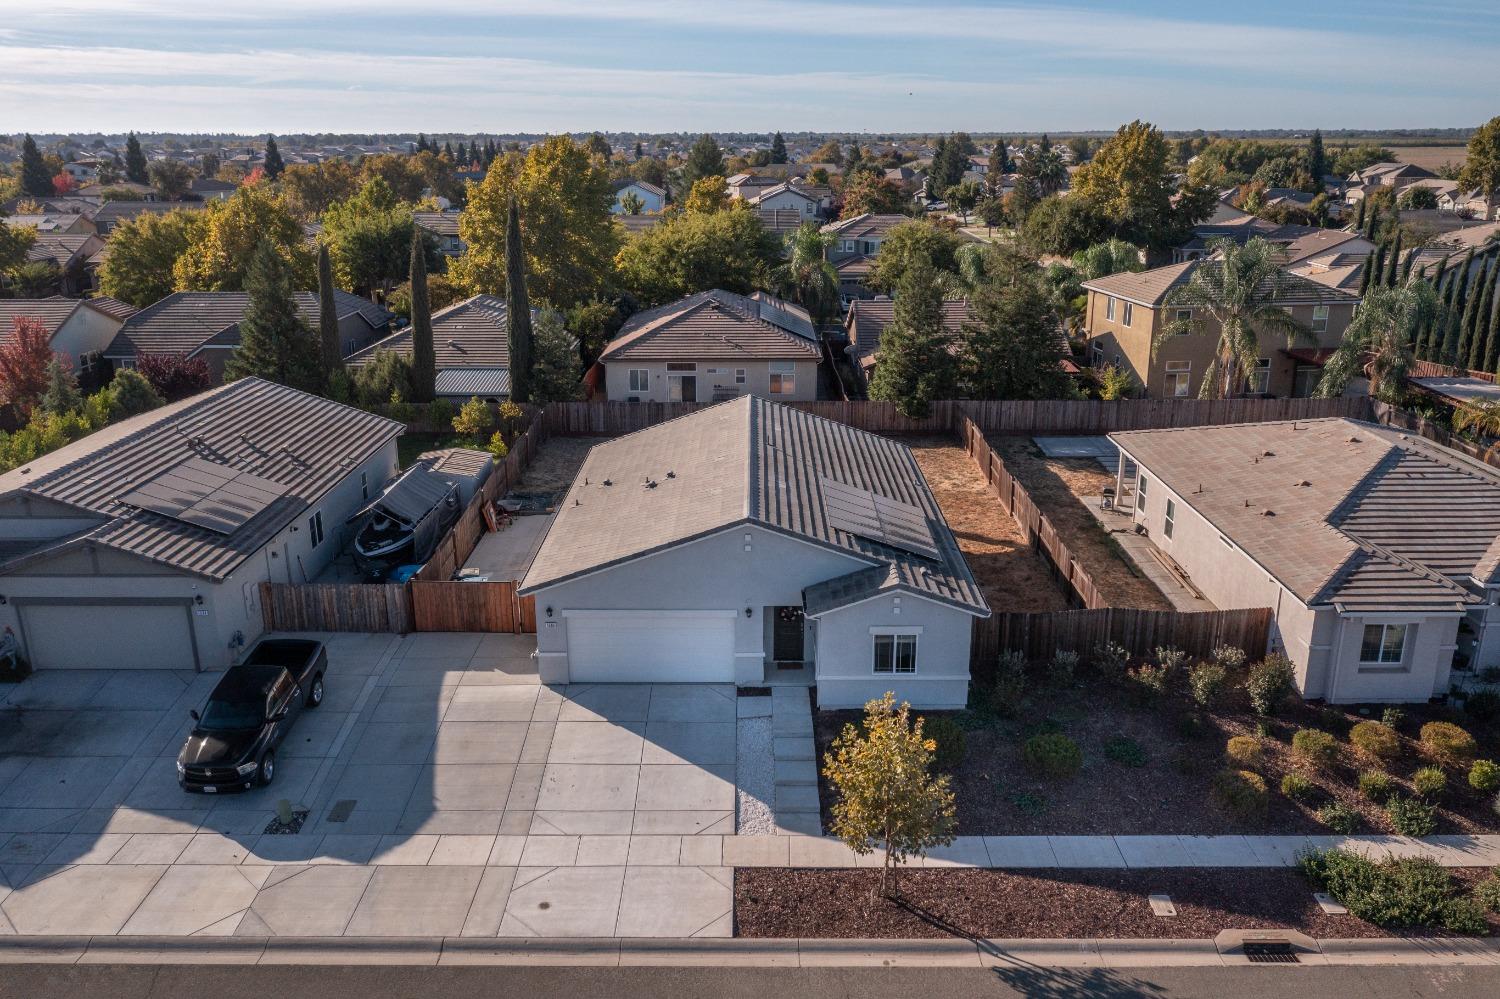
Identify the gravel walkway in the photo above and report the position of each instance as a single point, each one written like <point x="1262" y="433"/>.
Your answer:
<point x="755" y="774"/>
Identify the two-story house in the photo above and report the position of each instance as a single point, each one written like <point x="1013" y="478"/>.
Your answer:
<point x="714" y="345"/>
<point x="856" y="242"/>
<point x="1126" y="313"/>
<point x="443" y="228"/>
<point x="653" y="199"/>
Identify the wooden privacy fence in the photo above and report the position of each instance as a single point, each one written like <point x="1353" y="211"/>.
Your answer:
<point x="614" y="418"/>
<point x="383" y="607"/>
<point x="1091" y="416"/>
<point x="1140" y="632"/>
<point x="488" y="606"/>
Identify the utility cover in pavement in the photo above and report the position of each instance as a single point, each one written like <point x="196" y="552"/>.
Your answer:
<point x="1328" y="905"/>
<point x="1161" y="905"/>
<point x="341" y="810"/>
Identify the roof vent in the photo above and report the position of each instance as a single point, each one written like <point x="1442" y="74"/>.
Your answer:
<point x="1354" y="440"/>
<point x="671" y="474"/>
<point x="1268" y="454"/>
<point x="650" y="483"/>
<point x="1304" y="482"/>
<point x="1268" y="513"/>
<point x="608" y="482"/>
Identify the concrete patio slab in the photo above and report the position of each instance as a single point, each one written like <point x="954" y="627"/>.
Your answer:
<point x="491" y="703"/>
<point x="564" y="902"/>
<point x="550" y="851"/>
<point x="344" y="850"/>
<point x="487" y="910"/>
<point x="421" y="819"/>
<point x="63" y="782"/>
<point x="684" y="823"/>
<point x="404" y="851"/>
<point x="415" y="902"/>
<point x="507" y="851"/>
<point x="702" y="851"/>
<point x="462" y="851"/>
<point x="154" y="848"/>
<point x="568" y="823"/>
<point x="395" y="742"/>
<point x="81" y="849"/>
<point x="462" y="787"/>
<point x="692" y="702"/>
<point x="672" y="902"/>
<point x="654" y="851"/>
<point x="603" y="851"/>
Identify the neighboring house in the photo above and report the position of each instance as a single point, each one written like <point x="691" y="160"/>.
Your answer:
<point x="1467" y="202"/>
<point x="1376" y="549"/>
<point x="112" y="213"/>
<point x="1395" y="176"/>
<point x="52" y="224"/>
<point x="209" y="189"/>
<point x="70" y="255"/>
<point x="77" y="328"/>
<point x="67" y="205"/>
<point x="747" y="540"/>
<point x="142" y="546"/>
<point x="207" y="324"/>
<point x="1126" y="311"/>
<point x="653" y="198"/>
<point x="745" y="186"/>
<point x="781" y="221"/>
<point x="861" y="235"/>
<point x="138" y="192"/>
<point x="442" y="227"/>
<point x="786" y="197"/>
<point x="853" y="272"/>
<point x="714" y="345"/>
<point x="472" y="345"/>
<point x="83" y="171"/>
<point x="866" y="322"/>
<point x="1296" y="242"/>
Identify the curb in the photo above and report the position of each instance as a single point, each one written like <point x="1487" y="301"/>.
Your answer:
<point x="1226" y="950"/>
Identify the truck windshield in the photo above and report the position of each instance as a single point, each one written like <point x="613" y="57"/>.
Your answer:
<point x="231" y="716"/>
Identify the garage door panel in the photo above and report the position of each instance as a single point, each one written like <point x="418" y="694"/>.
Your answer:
<point x="651" y="646"/>
<point x="108" y="636"/>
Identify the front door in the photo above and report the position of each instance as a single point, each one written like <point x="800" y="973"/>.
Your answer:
<point x="786" y="635"/>
<point x="683" y="388"/>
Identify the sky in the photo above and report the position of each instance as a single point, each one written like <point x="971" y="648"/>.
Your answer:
<point x="698" y="65"/>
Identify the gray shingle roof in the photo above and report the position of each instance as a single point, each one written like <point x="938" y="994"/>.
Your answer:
<point x="717" y="325"/>
<point x="52" y="312"/>
<point x="1342" y="512"/>
<point x="750" y="461"/>
<point x="118" y="211"/>
<point x="437" y="223"/>
<point x="187" y="320"/>
<point x="302" y="441"/>
<point x="469" y="334"/>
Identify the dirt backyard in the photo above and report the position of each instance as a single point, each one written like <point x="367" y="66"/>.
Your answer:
<point x="1013" y="577"/>
<point x="1058" y="486"/>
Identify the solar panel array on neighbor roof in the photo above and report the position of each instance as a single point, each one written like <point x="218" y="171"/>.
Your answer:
<point x="206" y="494"/>
<point x="879" y="519"/>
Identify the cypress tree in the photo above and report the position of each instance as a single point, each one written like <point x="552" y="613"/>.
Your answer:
<point x="135" y="160"/>
<point x="422" y="146"/>
<point x="423" y="355"/>
<point x="1471" y="337"/>
<point x="448" y="150"/>
<point x="778" y="149"/>
<point x="1317" y="160"/>
<point x="1377" y="272"/>
<point x="517" y="307"/>
<point x="1372" y="222"/>
<point x="1492" y="336"/>
<point x="1427" y="342"/>
<point x="1408" y="264"/>
<point x="274" y="344"/>
<point x="463" y="154"/>
<point x="34" y="178"/>
<point x="1393" y="261"/>
<point x="274" y="163"/>
<point x="328" y="319"/>
<point x="1359" y="219"/>
<point x="1365" y="274"/>
<point x="1478" y="334"/>
<point x="1457" y="292"/>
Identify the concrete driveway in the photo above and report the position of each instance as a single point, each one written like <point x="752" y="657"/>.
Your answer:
<point x="590" y="810"/>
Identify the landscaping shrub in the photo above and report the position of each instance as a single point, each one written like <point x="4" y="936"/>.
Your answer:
<point x="1270" y="682"/>
<point x="1376" y="785"/>
<point x="1413" y="892"/>
<point x="1242" y="793"/>
<point x="1206" y="682"/>
<point x="1392" y="717"/>
<point x="1109" y="657"/>
<point x="1375" y="740"/>
<point x="1447" y="742"/>
<point x="1009" y="688"/>
<point x="1297" y="787"/>
<point x="1429" y="782"/>
<point x="1125" y="750"/>
<point x="950" y="739"/>
<point x="1245" y="752"/>
<point x="1053" y="755"/>
<point x="1339" y="818"/>
<point x="1149" y="682"/>
<point x="1315" y="746"/>
<point x="1484" y="776"/>
<point x="1229" y="657"/>
<point x="1487" y="892"/>
<point x="1411" y="816"/>
<point x="1171" y="657"/>
<point x="1062" y="668"/>
<point x="1482" y="705"/>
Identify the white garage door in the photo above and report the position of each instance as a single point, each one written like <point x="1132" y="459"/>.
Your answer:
<point x="111" y="636"/>
<point x="651" y="646"/>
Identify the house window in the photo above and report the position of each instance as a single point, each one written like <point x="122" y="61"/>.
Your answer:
<point x="1184" y="315"/>
<point x="895" y="653"/>
<point x="1260" y="378"/>
<point x="1098" y="354"/>
<point x="1129" y="313"/>
<point x="1383" y="644"/>
<point x="1179" y="378"/>
<point x="783" y="377"/>
<point x="1168" y="521"/>
<point x="1141" y="490"/>
<point x="315" y="528"/>
<point x="364" y="485"/>
<point x="681" y="366"/>
<point x="739" y="376"/>
<point x="640" y="380"/>
<point x="1109" y="308"/>
<point x="1320" y="319"/>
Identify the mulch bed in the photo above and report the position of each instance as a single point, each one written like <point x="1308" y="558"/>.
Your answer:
<point x="779" y="902"/>
<point x="1170" y="792"/>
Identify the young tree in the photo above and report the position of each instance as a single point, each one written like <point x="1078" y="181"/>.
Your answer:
<point x="1237" y="290"/>
<point x="24" y="358"/>
<point x="274" y="343"/>
<point x="916" y="363"/>
<point x="423" y="353"/>
<point x="778" y="149"/>
<point x="130" y="394"/>
<point x="274" y="163"/>
<point x="135" y="160"/>
<point x="704" y="159"/>
<point x="142" y="254"/>
<point x="689" y="252"/>
<point x="63" y="184"/>
<point x="631" y="203"/>
<point x="1012" y="345"/>
<point x="1379" y="340"/>
<point x="62" y="395"/>
<point x="1481" y="170"/>
<point x="332" y="349"/>
<point x="887" y="794"/>
<point x="963" y="196"/>
<point x="35" y="279"/>
<point x="229" y="233"/>
<point x="554" y="375"/>
<point x="517" y="306"/>
<point x="15" y="244"/>
<point x="474" y="420"/>
<point x="36" y="179"/>
<point x="1113" y="256"/>
<point x="174" y="376"/>
<point x="807" y="277"/>
<point x="997" y="167"/>
<point x="384" y="378"/>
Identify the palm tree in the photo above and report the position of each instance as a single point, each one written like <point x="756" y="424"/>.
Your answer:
<point x="807" y="277"/>
<point x="1380" y="339"/>
<point x="1482" y="419"/>
<point x="1048" y="170"/>
<point x="1238" y="288"/>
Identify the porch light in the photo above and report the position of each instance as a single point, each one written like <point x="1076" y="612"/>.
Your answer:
<point x="749" y="612"/>
<point x="549" y="611"/>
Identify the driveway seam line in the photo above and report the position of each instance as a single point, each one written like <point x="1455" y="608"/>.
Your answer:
<point x="142" y="902"/>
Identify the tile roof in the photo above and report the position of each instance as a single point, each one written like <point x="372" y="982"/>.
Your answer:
<point x="649" y="188"/>
<point x="113" y="307"/>
<point x="780" y="220"/>
<point x="119" y="211"/>
<point x="61" y="248"/>
<point x="868" y="318"/>
<point x="302" y="441"/>
<point x="186" y="321"/>
<point x="52" y="312"/>
<point x="717" y="325"/>
<point x="1150" y="287"/>
<point x="471" y="333"/>
<point x="749" y="461"/>
<point x="864" y="226"/>
<point x="437" y="223"/>
<point x="1339" y="511"/>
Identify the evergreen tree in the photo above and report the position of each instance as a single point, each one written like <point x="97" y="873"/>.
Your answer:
<point x="1317" y="160"/>
<point x="274" y="343"/>
<point x="1458" y="289"/>
<point x="131" y="394"/>
<point x="62" y="395"/>
<point x="1011" y="345"/>
<point x="1392" y="262"/>
<point x="1492" y="332"/>
<point x="36" y="179"/>
<point x="448" y="150"/>
<point x="463" y="155"/>
<point x="1372" y="222"/>
<point x="135" y="160"/>
<point x="554" y="372"/>
<point x="916" y="364"/>
<point x="1427" y="346"/>
<point x="423" y="354"/>
<point x="778" y="149"/>
<point x="1407" y="265"/>
<point x="328" y="319"/>
<point x="517" y="307"/>
<point x="1469" y="339"/>
<point x="1366" y="273"/>
<point x="1377" y="273"/>
<point x="273" y="164"/>
<point x="1479" y="327"/>
<point x="422" y="146"/>
<point x="704" y="159"/>
<point x="639" y="151"/>
<point x="1359" y="217"/>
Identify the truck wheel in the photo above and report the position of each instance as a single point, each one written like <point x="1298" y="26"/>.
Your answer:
<point x="267" y="771"/>
<point x="315" y="692"/>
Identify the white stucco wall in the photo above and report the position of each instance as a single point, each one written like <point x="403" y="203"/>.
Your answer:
<point x="757" y="380"/>
<point x="86" y="331"/>
<point x="846" y="677"/>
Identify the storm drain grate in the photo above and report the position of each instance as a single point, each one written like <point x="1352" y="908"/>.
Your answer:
<point x="1270" y="952"/>
<point x="341" y="810"/>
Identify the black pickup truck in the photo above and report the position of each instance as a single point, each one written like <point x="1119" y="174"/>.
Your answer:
<point x="234" y="739"/>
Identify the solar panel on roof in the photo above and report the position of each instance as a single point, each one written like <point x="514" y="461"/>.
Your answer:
<point x="206" y="494"/>
<point x="880" y="519"/>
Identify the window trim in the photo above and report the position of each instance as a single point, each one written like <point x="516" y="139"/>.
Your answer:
<point x="1319" y="322"/>
<point x="896" y="638"/>
<point x="1260" y="376"/>
<point x="1109" y="307"/>
<point x="1169" y="518"/>
<point x="315" y="528"/>
<point x="1381" y="644"/>
<point x="1171" y="370"/>
<point x="1129" y="313"/>
<point x="645" y="379"/>
<point x="782" y="377"/>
